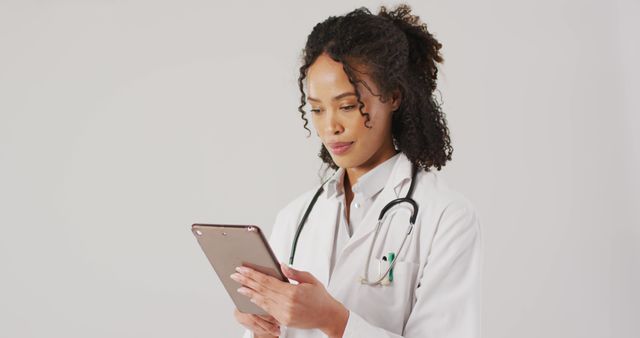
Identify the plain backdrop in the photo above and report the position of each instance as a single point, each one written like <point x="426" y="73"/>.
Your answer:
<point x="124" y="122"/>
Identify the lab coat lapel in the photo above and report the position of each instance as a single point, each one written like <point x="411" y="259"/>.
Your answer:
<point x="393" y="189"/>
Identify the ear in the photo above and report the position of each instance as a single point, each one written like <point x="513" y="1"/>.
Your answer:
<point x="396" y="99"/>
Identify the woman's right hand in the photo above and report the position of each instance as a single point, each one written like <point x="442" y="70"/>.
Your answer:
<point x="262" y="326"/>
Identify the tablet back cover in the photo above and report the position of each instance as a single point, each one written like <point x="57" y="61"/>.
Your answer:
<point x="230" y="246"/>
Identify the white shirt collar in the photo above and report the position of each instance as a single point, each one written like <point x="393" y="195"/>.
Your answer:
<point x="368" y="184"/>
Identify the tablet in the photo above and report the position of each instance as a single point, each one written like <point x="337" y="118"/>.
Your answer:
<point x="229" y="246"/>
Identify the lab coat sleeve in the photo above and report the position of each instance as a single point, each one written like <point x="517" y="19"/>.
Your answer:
<point x="448" y="295"/>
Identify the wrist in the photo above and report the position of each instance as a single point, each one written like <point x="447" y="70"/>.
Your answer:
<point x="337" y="321"/>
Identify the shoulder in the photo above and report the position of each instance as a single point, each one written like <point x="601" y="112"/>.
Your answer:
<point x="295" y="208"/>
<point x="286" y="223"/>
<point x="432" y="188"/>
<point x="444" y="205"/>
<point x="288" y="216"/>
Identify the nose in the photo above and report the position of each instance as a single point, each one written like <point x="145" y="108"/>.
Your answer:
<point x="333" y="125"/>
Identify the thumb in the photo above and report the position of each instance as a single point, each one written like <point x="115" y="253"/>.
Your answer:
<point x="297" y="275"/>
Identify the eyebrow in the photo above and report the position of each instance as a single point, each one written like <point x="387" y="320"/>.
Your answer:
<point x="337" y="97"/>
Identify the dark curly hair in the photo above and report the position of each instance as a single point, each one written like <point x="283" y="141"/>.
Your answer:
<point x="399" y="53"/>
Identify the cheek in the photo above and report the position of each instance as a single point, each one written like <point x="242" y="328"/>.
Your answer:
<point x="316" y="123"/>
<point x="355" y="123"/>
<point x="372" y="120"/>
<point x="376" y="112"/>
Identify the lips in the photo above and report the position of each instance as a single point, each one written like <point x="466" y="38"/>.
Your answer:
<point x="338" y="148"/>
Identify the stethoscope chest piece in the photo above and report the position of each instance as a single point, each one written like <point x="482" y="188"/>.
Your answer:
<point x="385" y="271"/>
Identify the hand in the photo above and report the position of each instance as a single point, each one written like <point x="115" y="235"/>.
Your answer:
<point x="260" y="325"/>
<point x="305" y="305"/>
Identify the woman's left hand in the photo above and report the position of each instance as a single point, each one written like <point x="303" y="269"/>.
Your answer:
<point x="305" y="305"/>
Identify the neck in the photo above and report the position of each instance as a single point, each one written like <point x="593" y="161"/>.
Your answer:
<point x="353" y="174"/>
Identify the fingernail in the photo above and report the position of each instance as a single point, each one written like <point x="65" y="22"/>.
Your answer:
<point x="242" y="269"/>
<point x="234" y="276"/>
<point x="242" y="291"/>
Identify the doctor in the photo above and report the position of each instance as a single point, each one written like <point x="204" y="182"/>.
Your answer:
<point x="370" y="81"/>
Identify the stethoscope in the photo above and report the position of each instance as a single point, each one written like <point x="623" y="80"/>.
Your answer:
<point x="407" y="199"/>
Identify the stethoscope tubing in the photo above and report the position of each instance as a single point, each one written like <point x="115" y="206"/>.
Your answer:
<point x="407" y="199"/>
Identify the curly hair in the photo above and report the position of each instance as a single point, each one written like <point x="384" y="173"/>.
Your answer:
<point x="399" y="53"/>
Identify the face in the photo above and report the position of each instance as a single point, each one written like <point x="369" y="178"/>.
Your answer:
<point x="338" y="122"/>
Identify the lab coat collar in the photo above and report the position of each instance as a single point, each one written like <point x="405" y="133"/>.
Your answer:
<point x="335" y="184"/>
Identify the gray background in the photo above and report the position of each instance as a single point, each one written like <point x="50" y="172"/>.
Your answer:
<point x="123" y="122"/>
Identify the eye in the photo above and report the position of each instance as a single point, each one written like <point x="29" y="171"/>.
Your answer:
<point x="314" y="110"/>
<point x="347" y="108"/>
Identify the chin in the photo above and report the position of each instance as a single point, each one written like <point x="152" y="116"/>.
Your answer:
<point x="339" y="161"/>
<point x="344" y="161"/>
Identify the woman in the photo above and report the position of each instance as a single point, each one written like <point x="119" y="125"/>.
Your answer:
<point x="370" y="82"/>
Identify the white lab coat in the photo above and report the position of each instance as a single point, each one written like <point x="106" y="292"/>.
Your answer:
<point x="436" y="291"/>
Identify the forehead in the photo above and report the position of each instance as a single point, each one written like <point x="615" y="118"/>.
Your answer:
<point x="326" y="73"/>
<point x="327" y="77"/>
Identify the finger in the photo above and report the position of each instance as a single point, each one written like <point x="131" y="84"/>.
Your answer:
<point x="257" y="324"/>
<point x="258" y="281"/>
<point x="251" y="284"/>
<point x="269" y="318"/>
<point x="271" y="328"/>
<point x="257" y="298"/>
<point x="297" y="275"/>
<point x="249" y="322"/>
